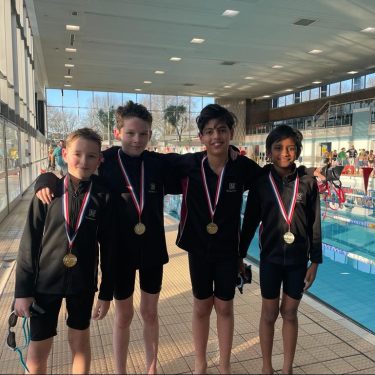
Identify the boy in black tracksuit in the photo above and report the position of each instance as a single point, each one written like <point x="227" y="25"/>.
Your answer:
<point x="140" y="178"/>
<point x="58" y="256"/>
<point x="287" y="204"/>
<point x="212" y="187"/>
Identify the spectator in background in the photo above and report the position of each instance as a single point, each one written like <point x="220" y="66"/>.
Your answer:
<point x="59" y="161"/>
<point x="51" y="160"/>
<point x="13" y="156"/>
<point x="342" y="158"/>
<point x="352" y="154"/>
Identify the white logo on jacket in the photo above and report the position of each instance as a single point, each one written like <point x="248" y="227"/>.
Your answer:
<point x="232" y="187"/>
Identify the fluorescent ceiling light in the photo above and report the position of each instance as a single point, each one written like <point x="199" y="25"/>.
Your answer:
<point x="175" y="59"/>
<point x="265" y="96"/>
<point x="67" y="85"/>
<point x="210" y="93"/>
<point x="230" y="13"/>
<point x="69" y="65"/>
<point x="277" y="66"/>
<point x="317" y="82"/>
<point x="227" y="86"/>
<point x="68" y="77"/>
<point x="70" y="49"/>
<point x="249" y="77"/>
<point x="353" y="72"/>
<point x="159" y="72"/>
<point x="197" y="40"/>
<point x="289" y="90"/>
<point x="148" y="82"/>
<point x="315" y="51"/>
<point x="137" y="90"/>
<point x="368" y="30"/>
<point x="72" y="27"/>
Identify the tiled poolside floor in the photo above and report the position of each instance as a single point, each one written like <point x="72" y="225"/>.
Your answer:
<point x="327" y="344"/>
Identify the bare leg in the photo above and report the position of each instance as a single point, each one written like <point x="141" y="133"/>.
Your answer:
<point x="270" y="311"/>
<point x="225" y="327"/>
<point x="37" y="356"/>
<point x="79" y="342"/>
<point x="201" y="324"/>
<point x="149" y="312"/>
<point x="288" y="310"/>
<point x="121" y="332"/>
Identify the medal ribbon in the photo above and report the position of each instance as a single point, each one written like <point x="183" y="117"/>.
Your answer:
<point x="81" y="213"/>
<point x="219" y="184"/>
<point x="287" y="216"/>
<point x="138" y="205"/>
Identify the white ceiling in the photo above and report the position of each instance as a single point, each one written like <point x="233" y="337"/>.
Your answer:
<point x="122" y="42"/>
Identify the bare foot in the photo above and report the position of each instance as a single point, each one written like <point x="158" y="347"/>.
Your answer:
<point x="225" y="370"/>
<point x="200" y="368"/>
<point x="268" y="371"/>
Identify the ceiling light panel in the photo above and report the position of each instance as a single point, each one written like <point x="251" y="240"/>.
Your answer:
<point x="197" y="41"/>
<point x="72" y="27"/>
<point x="68" y="77"/>
<point x="315" y="51"/>
<point x="368" y="30"/>
<point x="277" y="66"/>
<point x="69" y="65"/>
<point x="175" y="58"/>
<point x="353" y="72"/>
<point x="230" y="13"/>
<point x="159" y="72"/>
<point x="71" y="50"/>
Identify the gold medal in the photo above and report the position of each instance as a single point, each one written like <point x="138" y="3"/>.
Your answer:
<point x="139" y="229"/>
<point x="70" y="260"/>
<point x="212" y="228"/>
<point x="288" y="237"/>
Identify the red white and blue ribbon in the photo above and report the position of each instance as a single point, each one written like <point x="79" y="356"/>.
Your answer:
<point x="212" y="207"/>
<point x="138" y="205"/>
<point x="288" y="216"/>
<point x="81" y="213"/>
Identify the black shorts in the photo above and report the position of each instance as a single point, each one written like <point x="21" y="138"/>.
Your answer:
<point x="273" y="275"/>
<point x="150" y="280"/>
<point x="78" y="307"/>
<point x="213" y="277"/>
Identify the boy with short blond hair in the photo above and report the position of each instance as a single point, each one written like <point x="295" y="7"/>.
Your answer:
<point x="58" y="256"/>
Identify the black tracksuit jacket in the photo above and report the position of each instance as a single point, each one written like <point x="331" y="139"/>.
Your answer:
<point x="150" y="249"/>
<point x="135" y="251"/>
<point x="44" y="243"/>
<point x="239" y="175"/>
<point x="262" y="207"/>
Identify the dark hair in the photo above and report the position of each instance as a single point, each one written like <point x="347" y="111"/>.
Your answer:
<point x="283" y="132"/>
<point x="85" y="133"/>
<point x="129" y="110"/>
<point x="217" y="112"/>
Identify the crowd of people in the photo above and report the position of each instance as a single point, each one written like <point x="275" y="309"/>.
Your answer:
<point x="122" y="209"/>
<point x="351" y="159"/>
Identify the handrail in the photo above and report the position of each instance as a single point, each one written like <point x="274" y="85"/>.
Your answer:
<point x="323" y="108"/>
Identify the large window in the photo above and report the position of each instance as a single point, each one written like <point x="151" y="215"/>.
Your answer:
<point x="70" y="109"/>
<point x="13" y="160"/>
<point x="335" y="88"/>
<point x="3" y="190"/>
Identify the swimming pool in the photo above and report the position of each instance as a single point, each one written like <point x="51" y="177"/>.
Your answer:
<point x="346" y="279"/>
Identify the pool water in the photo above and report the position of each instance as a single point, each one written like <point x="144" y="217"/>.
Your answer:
<point x="346" y="279"/>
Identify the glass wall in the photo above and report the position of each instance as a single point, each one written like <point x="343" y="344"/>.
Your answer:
<point x="13" y="161"/>
<point x="70" y="109"/>
<point x="323" y="91"/>
<point x="3" y="187"/>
